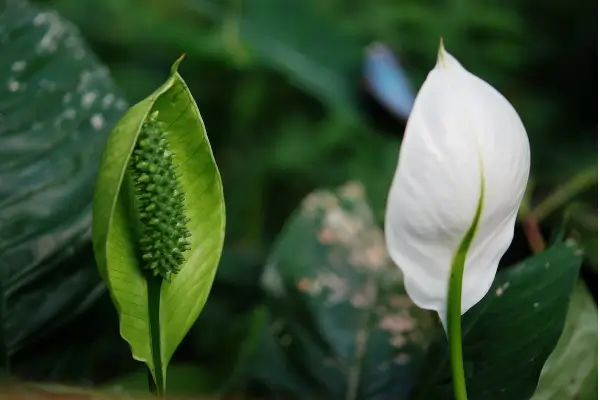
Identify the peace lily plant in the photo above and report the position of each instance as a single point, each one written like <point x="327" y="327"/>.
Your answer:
<point x="158" y="222"/>
<point x="452" y="206"/>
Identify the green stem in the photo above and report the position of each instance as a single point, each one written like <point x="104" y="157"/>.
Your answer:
<point x="456" y="356"/>
<point x="454" y="316"/>
<point x="454" y="307"/>
<point x="159" y="387"/>
<point x="455" y="338"/>
<point x="565" y="192"/>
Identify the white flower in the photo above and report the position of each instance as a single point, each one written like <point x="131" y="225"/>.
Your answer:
<point x="462" y="136"/>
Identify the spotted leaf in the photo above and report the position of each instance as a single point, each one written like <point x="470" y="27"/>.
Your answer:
<point x="341" y="323"/>
<point x="57" y="105"/>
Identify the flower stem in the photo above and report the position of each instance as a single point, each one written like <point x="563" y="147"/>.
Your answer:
<point x="454" y="306"/>
<point x="534" y="236"/>
<point x="154" y="287"/>
<point x="580" y="182"/>
<point x="455" y="334"/>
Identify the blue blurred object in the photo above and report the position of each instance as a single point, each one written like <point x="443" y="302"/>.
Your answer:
<point x="386" y="81"/>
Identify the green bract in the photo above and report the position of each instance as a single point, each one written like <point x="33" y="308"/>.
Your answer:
<point x="158" y="222"/>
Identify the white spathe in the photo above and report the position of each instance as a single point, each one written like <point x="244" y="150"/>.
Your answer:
<point x="461" y="133"/>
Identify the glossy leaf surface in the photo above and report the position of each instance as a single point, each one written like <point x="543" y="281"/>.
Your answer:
<point x="575" y="357"/>
<point x="57" y="105"/>
<point x="510" y="333"/>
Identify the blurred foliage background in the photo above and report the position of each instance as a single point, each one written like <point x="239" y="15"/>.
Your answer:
<point x="281" y="88"/>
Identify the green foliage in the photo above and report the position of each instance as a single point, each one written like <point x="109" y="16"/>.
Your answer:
<point x="89" y="347"/>
<point x="280" y="84"/>
<point x="573" y="365"/>
<point x="318" y="57"/>
<point x="341" y="325"/>
<point x="528" y="304"/>
<point x="57" y="103"/>
<point x="155" y="315"/>
<point x="186" y="380"/>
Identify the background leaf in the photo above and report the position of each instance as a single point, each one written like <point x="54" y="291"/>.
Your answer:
<point x="80" y="353"/>
<point x="305" y="44"/>
<point x="509" y="335"/>
<point x="589" y="388"/>
<point x="278" y="134"/>
<point x="57" y="103"/>
<point x="576" y="354"/>
<point x="341" y="324"/>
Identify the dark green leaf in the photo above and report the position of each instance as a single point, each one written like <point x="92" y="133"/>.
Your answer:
<point x="509" y="335"/>
<point x="576" y="354"/>
<point x="295" y="39"/>
<point x="88" y="350"/>
<point x="341" y="323"/>
<point x="57" y="103"/>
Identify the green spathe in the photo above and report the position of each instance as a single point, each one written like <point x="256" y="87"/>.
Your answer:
<point x="154" y="314"/>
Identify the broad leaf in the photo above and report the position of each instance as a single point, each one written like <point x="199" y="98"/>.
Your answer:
<point x="589" y="387"/>
<point x="155" y="317"/>
<point x="57" y="103"/>
<point x="341" y="325"/>
<point x="576" y="354"/>
<point x="296" y="39"/>
<point x="509" y="335"/>
<point x="87" y="350"/>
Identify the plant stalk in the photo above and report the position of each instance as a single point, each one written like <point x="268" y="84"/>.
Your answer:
<point x="580" y="182"/>
<point x="455" y="333"/>
<point x="157" y="385"/>
<point x="454" y="305"/>
<point x="534" y="236"/>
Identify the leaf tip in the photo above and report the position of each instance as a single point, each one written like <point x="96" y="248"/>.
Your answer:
<point x="175" y="66"/>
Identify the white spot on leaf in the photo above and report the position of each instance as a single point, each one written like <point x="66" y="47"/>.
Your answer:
<point x="47" y="84"/>
<point x="13" y="85"/>
<point x="88" y="99"/>
<point x="97" y="121"/>
<point x="19" y="66"/>
<point x="56" y="30"/>
<point x="108" y="100"/>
